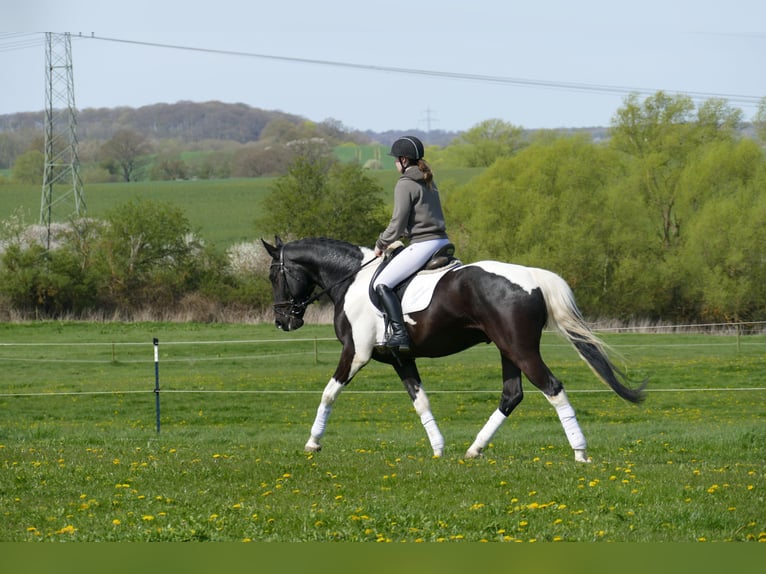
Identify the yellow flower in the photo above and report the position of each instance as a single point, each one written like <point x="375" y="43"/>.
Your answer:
<point x="68" y="529"/>
<point x="116" y="522"/>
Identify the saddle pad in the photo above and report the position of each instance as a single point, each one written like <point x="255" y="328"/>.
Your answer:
<point x="420" y="290"/>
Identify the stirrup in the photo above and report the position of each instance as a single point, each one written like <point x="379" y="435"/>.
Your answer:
<point x="399" y="343"/>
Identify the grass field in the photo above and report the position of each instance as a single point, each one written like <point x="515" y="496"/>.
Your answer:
<point x="225" y="211"/>
<point x="82" y="459"/>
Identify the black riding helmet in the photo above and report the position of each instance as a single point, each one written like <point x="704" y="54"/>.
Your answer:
<point x="409" y="147"/>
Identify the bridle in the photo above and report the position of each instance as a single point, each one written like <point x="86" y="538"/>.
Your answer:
<point x="292" y="308"/>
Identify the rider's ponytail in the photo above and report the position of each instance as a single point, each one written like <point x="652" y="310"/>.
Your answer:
<point x="428" y="175"/>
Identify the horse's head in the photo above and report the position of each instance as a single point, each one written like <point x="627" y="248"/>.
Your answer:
<point x="291" y="286"/>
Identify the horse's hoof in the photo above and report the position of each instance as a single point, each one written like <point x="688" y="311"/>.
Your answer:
<point x="437" y="454"/>
<point x="582" y="456"/>
<point x="312" y="446"/>
<point x="472" y="453"/>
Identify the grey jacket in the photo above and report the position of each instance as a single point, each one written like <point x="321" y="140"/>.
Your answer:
<point x="417" y="211"/>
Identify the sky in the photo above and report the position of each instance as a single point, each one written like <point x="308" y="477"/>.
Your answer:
<point x="428" y="65"/>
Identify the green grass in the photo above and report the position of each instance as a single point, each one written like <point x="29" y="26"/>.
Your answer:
<point x="225" y="211"/>
<point x="81" y="458"/>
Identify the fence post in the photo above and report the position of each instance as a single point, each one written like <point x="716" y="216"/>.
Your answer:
<point x="156" y="342"/>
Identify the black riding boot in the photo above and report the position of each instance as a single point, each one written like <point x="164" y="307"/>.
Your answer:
<point x="393" y="308"/>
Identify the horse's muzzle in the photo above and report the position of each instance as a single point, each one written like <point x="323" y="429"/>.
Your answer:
<point x="288" y="324"/>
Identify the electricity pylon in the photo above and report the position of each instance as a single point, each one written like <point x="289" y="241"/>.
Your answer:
<point x="62" y="164"/>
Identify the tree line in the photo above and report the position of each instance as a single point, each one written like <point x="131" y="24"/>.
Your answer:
<point x="665" y="220"/>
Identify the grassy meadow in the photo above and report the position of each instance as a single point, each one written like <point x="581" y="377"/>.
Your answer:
<point x="225" y="211"/>
<point x="82" y="460"/>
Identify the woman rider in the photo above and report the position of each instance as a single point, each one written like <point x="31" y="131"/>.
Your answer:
<point x="418" y="216"/>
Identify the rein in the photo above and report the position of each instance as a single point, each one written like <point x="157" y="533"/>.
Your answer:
<point x="295" y="308"/>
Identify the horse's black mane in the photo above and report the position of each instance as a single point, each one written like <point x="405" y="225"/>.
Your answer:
<point x="339" y="255"/>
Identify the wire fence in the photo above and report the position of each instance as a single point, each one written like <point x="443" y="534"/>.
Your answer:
<point x="15" y="357"/>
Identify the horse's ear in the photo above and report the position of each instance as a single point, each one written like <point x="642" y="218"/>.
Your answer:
<point x="273" y="251"/>
<point x="278" y="242"/>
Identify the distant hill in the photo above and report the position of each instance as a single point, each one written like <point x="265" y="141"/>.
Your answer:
<point x="184" y="121"/>
<point x="193" y="122"/>
<point x="188" y="121"/>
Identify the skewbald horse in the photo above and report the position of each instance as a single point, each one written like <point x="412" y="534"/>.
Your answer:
<point x="489" y="301"/>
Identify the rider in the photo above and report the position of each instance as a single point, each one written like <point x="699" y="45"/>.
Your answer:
<point x="417" y="215"/>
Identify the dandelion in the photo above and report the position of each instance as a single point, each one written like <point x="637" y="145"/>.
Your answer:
<point x="68" y="529"/>
<point x="147" y="517"/>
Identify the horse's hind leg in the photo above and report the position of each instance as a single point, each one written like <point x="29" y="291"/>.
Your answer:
<point x="571" y="427"/>
<point x="540" y="375"/>
<point x="509" y="400"/>
<point x="408" y="372"/>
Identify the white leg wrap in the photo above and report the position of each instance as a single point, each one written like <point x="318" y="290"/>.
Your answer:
<point x="485" y="434"/>
<point x="331" y="392"/>
<point x="569" y="421"/>
<point x="423" y="409"/>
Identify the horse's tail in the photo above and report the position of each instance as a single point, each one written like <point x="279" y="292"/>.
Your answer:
<point x="564" y="315"/>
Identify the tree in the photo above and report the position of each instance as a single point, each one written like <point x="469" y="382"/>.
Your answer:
<point x="484" y="143"/>
<point x="123" y="151"/>
<point x="169" y="166"/>
<point x="760" y="120"/>
<point x="660" y="135"/>
<point x="321" y="197"/>
<point x="29" y="167"/>
<point x="145" y="255"/>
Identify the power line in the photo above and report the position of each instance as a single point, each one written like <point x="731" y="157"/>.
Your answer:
<point x="504" y="80"/>
<point x="11" y="41"/>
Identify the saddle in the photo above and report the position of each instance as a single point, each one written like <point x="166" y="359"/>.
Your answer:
<point x="442" y="258"/>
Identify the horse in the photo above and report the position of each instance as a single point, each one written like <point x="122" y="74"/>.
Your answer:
<point x="487" y="301"/>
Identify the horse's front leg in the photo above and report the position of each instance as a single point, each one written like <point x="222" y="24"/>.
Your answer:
<point x="511" y="397"/>
<point x="408" y="372"/>
<point x="349" y="365"/>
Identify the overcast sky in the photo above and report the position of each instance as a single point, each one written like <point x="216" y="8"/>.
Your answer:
<point x="439" y="65"/>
